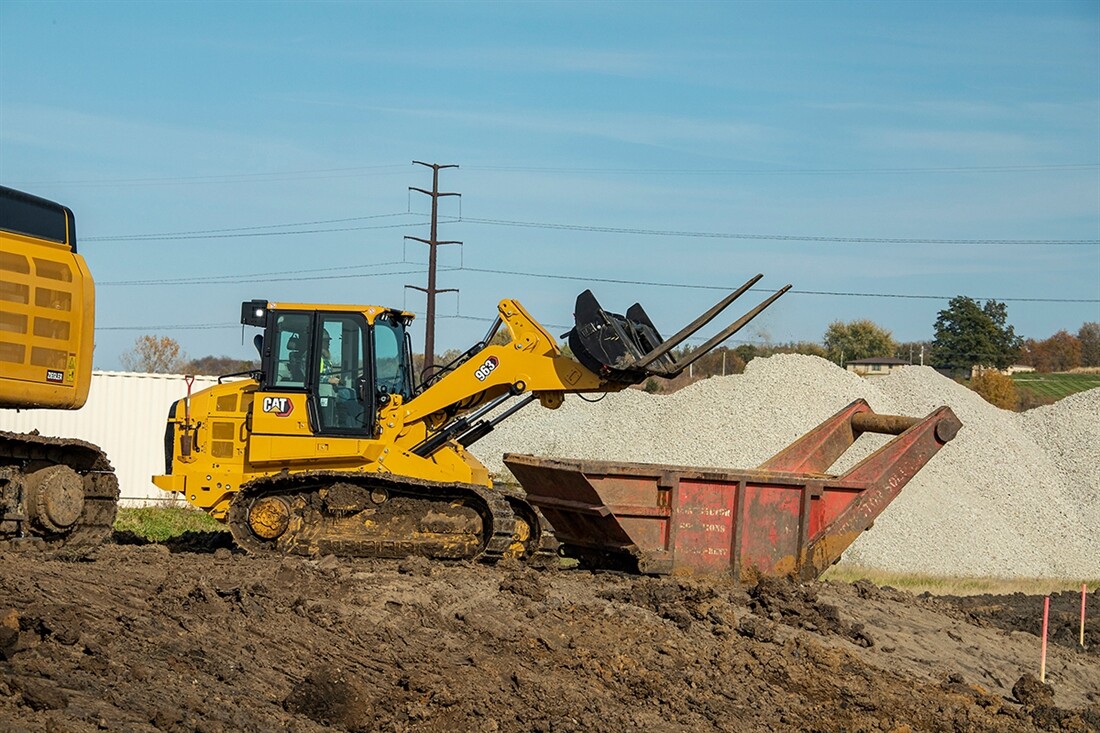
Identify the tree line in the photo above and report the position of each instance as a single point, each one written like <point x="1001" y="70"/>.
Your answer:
<point x="967" y="334"/>
<point x="163" y="355"/>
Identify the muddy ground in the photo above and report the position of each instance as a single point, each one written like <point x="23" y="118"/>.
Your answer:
<point x="156" y="638"/>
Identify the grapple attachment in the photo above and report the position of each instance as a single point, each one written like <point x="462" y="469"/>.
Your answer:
<point x="629" y="348"/>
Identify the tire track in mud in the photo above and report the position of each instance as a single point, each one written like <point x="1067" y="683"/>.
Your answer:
<point x="143" y="639"/>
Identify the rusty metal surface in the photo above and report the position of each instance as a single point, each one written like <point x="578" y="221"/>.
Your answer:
<point x="784" y="518"/>
<point x="870" y="422"/>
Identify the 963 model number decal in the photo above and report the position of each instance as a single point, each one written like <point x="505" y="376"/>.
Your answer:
<point x="487" y="368"/>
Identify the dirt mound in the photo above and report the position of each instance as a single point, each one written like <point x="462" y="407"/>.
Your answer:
<point x="147" y="638"/>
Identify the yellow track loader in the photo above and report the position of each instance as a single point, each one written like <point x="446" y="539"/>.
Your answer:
<point x="58" y="491"/>
<point x="333" y="446"/>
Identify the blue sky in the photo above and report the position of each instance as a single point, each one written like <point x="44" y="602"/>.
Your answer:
<point x="657" y="152"/>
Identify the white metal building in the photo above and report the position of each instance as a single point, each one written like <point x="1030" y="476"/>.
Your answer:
<point x="125" y="416"/>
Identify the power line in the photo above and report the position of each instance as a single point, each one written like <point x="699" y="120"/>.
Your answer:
<point x="218" y="178"/>
<point x="261" y="231"/>
<point x="273" y="277"/>
<point x="296" y="276"/>
<point x="1053" y="167"/>
<point x="176" y="327"/>
<point x="344" y="172"/>
<point x="249" y="228"/>
<point x="270" y="276"/>
<point x="251" y="231"/>
<point x="696" y="286"/>
<point x="774" y="237"/>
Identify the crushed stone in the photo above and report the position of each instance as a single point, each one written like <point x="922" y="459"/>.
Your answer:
<point x="1013" y="495"/>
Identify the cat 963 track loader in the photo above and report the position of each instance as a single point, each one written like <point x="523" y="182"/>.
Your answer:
<point x="333" y="447"/>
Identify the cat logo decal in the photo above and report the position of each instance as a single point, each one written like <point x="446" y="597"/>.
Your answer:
<point x="279" y="406"/>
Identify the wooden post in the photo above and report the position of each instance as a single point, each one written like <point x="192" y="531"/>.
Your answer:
<point x="1084" y="594"/>
<point x="1043" y="655"/>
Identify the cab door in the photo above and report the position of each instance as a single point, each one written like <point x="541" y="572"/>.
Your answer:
<point x="282" y="405"/>
<point x="340" y="373"/>
<point x="309" y="409"/>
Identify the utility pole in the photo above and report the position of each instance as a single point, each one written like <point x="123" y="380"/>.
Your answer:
<point x="432" y="242"/>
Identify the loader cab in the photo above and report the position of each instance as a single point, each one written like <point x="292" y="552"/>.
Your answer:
<point x="345" y="364"/>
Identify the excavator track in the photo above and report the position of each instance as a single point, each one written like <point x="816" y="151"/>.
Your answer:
<point x="61" y="493"/>
<point x="356" y="514"/>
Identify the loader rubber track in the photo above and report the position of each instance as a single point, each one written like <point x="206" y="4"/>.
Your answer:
<point x="24" y="453"/>
<point x="340" y="513"/>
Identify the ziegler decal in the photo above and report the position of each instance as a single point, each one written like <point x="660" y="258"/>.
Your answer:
<point x="487" y="368"/>
<point x="279" y="406"/>
<point x="52" y="375"/>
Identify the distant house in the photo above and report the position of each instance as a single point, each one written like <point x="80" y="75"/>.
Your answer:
<point x="876" y="366"/>
<point x="1014" y="369"/>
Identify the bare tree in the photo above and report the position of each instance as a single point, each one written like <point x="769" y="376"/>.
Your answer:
<point x="1089" y="336"/>
<point x="155" y="355"/>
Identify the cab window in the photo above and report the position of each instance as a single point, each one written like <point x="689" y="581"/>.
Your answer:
<point x="391" y="369"/>
<point x="340" y="374"/>
<point x="291" y="350"/>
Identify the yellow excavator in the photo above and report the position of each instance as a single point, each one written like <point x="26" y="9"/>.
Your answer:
<point x="61" y="492"/>
<point x="333" y="446"/>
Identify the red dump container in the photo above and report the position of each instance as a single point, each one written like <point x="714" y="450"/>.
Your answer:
<point x="784" y="518"/>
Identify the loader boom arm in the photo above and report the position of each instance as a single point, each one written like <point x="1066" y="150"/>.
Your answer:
<point x="530" y="362"/>
<point x="615" y="352"/>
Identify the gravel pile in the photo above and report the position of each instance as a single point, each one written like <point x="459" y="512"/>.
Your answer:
<point x="1012" y="495"/>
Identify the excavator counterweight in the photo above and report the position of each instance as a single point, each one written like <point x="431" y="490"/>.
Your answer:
<point x="58" y="492"/>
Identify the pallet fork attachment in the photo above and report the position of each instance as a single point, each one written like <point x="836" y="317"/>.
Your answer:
<point x="630" y="349"/>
